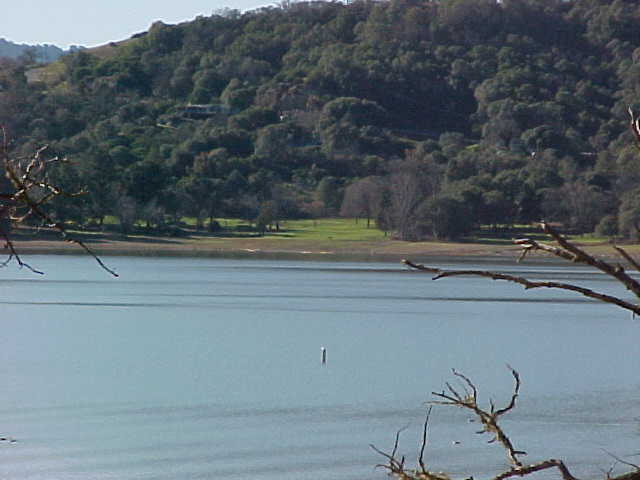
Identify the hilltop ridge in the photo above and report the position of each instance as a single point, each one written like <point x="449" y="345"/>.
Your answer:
<point x="41" y="53"/>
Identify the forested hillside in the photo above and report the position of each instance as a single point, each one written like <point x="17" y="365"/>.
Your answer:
<point x="432" y="117"/>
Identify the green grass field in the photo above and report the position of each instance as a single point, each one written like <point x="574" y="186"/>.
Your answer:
<point x="352" y="230"/>
<point x="338" y="229"/>
<point x="339" y="236"/>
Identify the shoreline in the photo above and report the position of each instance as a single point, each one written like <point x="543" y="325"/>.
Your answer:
<point x="266" y="247"/>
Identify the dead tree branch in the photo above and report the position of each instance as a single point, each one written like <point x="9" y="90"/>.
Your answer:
<point x="13" y="255"/>
<point x="423" y="445"/>
<point x="536" y="467"/>
<point x="466" y="397"/>
<point x="31" y="190"/>
<point x="614" y="271"/>
<point x="396" y="467"/>
<point x="624" y="462"/>
<point x="627" y="257"/>
<point x="527" y="284"/>
<point x="489" y="419"/>
<point x="567" y="251"/>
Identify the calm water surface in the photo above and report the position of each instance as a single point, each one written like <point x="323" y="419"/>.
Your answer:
<point x="210" y="368"/>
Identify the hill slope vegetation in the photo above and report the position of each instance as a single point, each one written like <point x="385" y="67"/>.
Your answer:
<point x="431" y="117"/>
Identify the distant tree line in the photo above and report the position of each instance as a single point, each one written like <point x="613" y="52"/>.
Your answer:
<point x="32" y="53"/>
<point x="427" y="118"/>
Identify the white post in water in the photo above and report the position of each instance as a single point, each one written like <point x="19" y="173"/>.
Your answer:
<point x="323" y="352"/>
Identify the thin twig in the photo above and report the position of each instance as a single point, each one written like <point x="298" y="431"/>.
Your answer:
<point x="618" y="459"/>
<point x="489" y="419"/>
<point x="627" y="257"/>
<point x="516" y="391"/>
<point x="14" y="255"/>
<point x="423" y="445"/>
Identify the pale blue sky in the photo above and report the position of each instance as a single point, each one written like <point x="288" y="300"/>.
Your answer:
<point x="96" y="22"/>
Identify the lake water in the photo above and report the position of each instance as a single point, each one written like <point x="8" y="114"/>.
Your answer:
<point x="209" y="368"/>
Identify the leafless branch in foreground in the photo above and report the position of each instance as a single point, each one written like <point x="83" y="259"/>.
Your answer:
<point x="489" y="419"/>
<point x="567" y="251"/>
<point x="31" y="191"/>
<point x="467" y="397"/>
<point x="624" y="462"/>
<point x="395" y="466"/>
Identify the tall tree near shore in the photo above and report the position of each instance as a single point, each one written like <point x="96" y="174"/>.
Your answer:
<point x="363" y="198"/>
<point x="329" y="192"/>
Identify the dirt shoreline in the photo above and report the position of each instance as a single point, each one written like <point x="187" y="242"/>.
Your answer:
<point x="264" y="247"/>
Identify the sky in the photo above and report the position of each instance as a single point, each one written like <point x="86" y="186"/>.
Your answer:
<point x="96" y="22"/>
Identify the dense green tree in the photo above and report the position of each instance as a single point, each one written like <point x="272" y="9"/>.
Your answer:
<point x="143" y="181"/>
<point x="253" y="118"/>
<point x="237" y="96"/>
<point x="503" y="106"/>
<point x="99" y="175"/>
<point x="329" y="192"/>
<point x="203" y="197"/>
<point x="443" y="218"/>
<point x="629" y="215"/>
<point x="265" y="217"/>
<point x="577" y="205"/>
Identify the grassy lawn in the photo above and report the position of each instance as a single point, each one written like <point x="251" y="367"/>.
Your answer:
<point x="321" y="235"/>
<point x="341" y="236"/>
<point x="338" y="229"/>
<point x="341" y="229"/>
<point x="348" y="230"/>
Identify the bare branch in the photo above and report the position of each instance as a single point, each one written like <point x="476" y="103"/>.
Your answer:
<point x="581" y="256"/>
<point x="527" y="284"/>
<point x="391" y="459"/>
<point x="516" y="390"/>
<point x="423" y="445"/>
<point x="474" y="396"/>
<point x="624" y="462"/>
<point x="627" y="257"/>
<point x="453" y="392"/>
<point x="395" y="445"/>
<point x="32" y="190"/>
<point x="92" y="254"/>
<point x="396" y="466"/>
<point x="530" y="245"/>
<point x="14" y="255"/>
<point x="489" y="419"/>
<point x="567" y="251"/>
<point x="536" y="467"/>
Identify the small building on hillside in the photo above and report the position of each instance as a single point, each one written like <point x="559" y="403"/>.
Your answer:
<point x="204" y="111"/>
